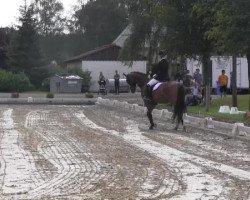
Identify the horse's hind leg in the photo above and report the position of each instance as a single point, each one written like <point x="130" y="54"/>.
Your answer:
<point x="179" y="119"/>
<point x="176" y="127"/>
<point x="184" y="127"/>
<point x="150" y="117"/>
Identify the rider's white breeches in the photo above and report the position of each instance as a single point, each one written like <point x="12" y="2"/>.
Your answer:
<point x="152" y="82"/>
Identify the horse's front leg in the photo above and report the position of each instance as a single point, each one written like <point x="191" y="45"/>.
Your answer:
<point x="177" y="125"/>
<point x="150" y="117"/>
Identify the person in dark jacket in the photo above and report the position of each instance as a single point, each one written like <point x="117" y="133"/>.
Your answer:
<point x="101" y="79"/>
<point x="117" y="82"/>
<point x="159" y="74"/>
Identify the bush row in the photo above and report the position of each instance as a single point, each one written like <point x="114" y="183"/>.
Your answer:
<point x="10" y="82"/>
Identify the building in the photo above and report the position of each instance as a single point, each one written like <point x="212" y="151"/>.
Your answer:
<point x="105" y="59"/>
<point x="65" y="84"/>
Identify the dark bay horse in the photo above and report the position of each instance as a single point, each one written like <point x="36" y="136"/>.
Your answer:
<point x="171" y="92"/>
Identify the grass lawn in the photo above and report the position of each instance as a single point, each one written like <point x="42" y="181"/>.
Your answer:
<point x="217" y="101"/>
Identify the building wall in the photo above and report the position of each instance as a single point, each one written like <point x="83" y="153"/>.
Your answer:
<point x="108" y="69"/>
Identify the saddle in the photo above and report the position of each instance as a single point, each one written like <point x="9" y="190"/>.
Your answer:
<point x="150" y="89"/>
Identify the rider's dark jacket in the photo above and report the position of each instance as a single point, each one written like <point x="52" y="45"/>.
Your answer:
<point x="161" y="70"/>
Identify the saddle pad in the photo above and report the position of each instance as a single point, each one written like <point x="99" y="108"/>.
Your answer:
<point x="156" y="86"/>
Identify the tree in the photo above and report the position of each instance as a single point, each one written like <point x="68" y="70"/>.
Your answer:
<point x="49" y="17"/>
<point x="5" y="35"/>
<point x="232" y="29"/>
<point x="202" y="18"/>
<point x="71" y="23"/>
<point x="145" y="27"/>
<point x="101" y="21"/>
<point x="179" y="27"/>
<point x="23" y="52"/>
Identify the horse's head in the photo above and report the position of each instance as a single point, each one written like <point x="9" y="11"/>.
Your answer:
<point x="131" y="81"/>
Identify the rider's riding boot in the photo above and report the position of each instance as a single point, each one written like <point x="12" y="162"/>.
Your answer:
<point x="149" y="93"/>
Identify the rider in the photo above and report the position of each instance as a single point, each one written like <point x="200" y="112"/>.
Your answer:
<point x="159" y="74"/>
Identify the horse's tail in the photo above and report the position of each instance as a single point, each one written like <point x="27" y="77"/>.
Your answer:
<point x="180" y="105"/>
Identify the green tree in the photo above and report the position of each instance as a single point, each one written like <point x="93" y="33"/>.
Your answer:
<point x="101" y="21"/>
<point x="10" y="82"/>
<point x="180" y="27"/>
<point x="49" y="17"/>
<point x="23" y="52"/>
<point x="145" y="29"/>
<point x="232" y="29"/>
<point x="202" y="19"/>
<point x="85" y="75"/>
<point x="5" y="35"/>
<point x="61" y="47"/>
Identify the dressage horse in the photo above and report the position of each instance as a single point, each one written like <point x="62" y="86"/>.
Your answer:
<point x="171" y="92"/>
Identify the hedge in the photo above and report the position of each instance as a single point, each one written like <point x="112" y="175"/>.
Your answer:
<point x="10" y="82"/>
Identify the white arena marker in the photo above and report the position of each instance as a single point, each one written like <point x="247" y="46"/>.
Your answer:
<point x="30" y="100"/>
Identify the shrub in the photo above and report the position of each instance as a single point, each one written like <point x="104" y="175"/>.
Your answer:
<point x="14" y="95"/>
<point x="14" y="82"/>
<point x="46" y="85"/>
<point x="50" y="95"/>
<point x="89" y="95"/>
<point x="86" y="78"/>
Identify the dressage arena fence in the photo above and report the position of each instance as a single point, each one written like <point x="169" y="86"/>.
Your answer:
<point x="232" y="129"/>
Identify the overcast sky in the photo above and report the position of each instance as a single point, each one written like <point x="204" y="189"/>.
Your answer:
<point x="9" y="10"/>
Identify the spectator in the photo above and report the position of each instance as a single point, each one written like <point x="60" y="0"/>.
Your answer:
<point x="101" y="79"/>
<point x="223" y="81"/>
<point x="194" y="97"/>
<point x="117" y="82"/>
<point x="198" y="77"/>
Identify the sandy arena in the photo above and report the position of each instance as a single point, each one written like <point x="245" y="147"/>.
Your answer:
<point x="97" y="152"/>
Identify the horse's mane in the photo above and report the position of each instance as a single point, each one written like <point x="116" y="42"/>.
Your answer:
<point x="140" y="73"/>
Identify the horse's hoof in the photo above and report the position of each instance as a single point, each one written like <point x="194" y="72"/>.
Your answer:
<point x="184" y="129"/>
<point x="151" y="128"/>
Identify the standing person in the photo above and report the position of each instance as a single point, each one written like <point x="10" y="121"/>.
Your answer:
<point x="117" y="82"/>
<point x="198" y="78"/>
<point x="223" y="81"/>
<point x="101" y="79"/>
<point x="159" y="74"/>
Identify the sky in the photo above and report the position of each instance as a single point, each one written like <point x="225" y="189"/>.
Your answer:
<point x="9" y="10"/>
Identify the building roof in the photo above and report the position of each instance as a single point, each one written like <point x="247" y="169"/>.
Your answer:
<point x="120" y="40"/>
<point x="73" y="77"/>
<point x="97" y="54"/>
